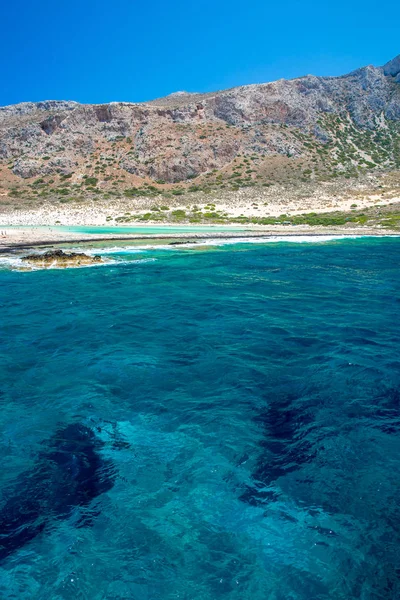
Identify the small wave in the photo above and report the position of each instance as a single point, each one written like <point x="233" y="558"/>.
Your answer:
<point x="296" y="239"/>
<point x="10" y="262"/>
<point x="216" y="242"/>
<point x="111" y="250"/>
<point x="268" y="239"/>
<point x="135" y="262"/>
<point x="142" y="260"/>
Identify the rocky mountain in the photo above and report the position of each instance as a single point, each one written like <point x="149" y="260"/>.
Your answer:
<point x="312" y="128"/>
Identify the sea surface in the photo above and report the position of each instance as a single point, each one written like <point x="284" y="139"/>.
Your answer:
<point x="241" y="407"/>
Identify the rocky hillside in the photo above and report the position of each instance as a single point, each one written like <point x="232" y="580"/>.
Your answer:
<point x="305" y="129"/>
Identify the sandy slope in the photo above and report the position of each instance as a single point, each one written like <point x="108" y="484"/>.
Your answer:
<point x="103" y="213"/>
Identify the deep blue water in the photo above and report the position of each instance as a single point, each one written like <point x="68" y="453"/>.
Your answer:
<point x="246" y="400"/>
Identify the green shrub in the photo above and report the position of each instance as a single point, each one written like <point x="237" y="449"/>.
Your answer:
<point x="130" y="192"/>
<point x="91" y="181"/>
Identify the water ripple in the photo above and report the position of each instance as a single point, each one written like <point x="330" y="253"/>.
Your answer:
<point x="248" y="400"/>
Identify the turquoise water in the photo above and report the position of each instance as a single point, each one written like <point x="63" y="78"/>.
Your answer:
<point x="247" y="399"/>
<point x="143" y="230"/>
<point x="150" y="230"/>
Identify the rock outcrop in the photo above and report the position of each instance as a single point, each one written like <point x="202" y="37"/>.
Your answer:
<point x="58" y="259"/>
<point x="392" y="68"/>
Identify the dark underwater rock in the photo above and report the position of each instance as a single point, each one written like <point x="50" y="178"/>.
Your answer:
<point x="68" y="473"/>
<point x="182" y="242"/>
<point x="286" y="446"/>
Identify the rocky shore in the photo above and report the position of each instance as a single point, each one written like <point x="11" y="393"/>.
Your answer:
<point x="58" y="259"/>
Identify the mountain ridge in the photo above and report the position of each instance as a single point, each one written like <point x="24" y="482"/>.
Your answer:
<point x="309" y="127"/>
<point x="392" y="68"/>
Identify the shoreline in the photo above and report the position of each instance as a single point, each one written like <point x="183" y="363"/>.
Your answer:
<point x="245" y="214"/>
<point x="29" y="237"/>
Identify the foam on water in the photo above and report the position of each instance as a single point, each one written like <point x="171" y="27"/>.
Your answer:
<point x="132" y="249"/>
<point x="119" y="253"/>
<point x="10" y="262"/>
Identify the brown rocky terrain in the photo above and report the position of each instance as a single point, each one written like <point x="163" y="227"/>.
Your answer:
<point x="301" y="132"/>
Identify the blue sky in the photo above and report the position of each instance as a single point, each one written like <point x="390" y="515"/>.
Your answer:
<point x="132" y="51"/>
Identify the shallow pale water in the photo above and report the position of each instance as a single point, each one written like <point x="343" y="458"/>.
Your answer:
<point x="149" y="229"/>
<point x="128" y="229"/>
<point x="248" y="400"/>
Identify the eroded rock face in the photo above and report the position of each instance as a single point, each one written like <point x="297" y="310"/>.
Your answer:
<point x="28" y="108"/>
<point x="59" y="259"/>
<point x="28" y="167"/>
<point x="184" y="135"/>
<point x="392" y="68"/>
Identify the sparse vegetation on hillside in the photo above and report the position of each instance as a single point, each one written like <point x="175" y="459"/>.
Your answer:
<point x="311" y="130"/>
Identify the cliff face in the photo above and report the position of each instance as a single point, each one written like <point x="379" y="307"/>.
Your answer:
<point x="392" y="68"/>
<point x="340" y="123"/>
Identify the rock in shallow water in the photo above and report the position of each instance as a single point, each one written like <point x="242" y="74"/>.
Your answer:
<point x="61" y="259"/>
